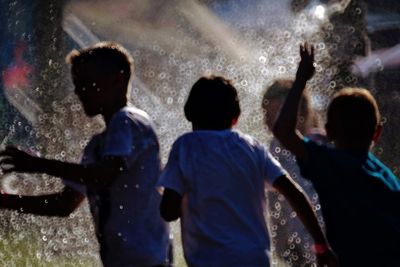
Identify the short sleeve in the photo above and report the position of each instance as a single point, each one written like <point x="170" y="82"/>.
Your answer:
<point x="119" y="137"/>
<point x="272" y="168"/>
<point x="172" y="177"/>
<point x="318" y="161"/>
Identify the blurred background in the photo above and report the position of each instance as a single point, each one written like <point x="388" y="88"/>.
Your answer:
<point x="175" y="42"/>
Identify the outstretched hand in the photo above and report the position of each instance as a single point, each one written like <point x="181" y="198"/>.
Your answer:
<point x="13" y="159"/>
<point x="306" y="67"/>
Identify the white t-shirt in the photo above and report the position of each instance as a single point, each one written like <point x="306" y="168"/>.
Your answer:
<point x="281" y="211"/>
<point x="130" y="229"/>
<point x="221" y="176"/>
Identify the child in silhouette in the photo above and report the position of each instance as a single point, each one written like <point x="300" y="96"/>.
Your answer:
<point x="215" y="180"/>
<point x="119" y="168"/>
<point x="359" y="195"/>
<point x="308" y="124"/>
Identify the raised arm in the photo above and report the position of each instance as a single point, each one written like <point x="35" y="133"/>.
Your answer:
<point x="99" y="174"/>
<point x="301" y="205"/>
<point x="285" y="126"/>
<point x="60" y="204"/>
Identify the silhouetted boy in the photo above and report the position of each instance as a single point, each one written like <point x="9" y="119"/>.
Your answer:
<point x="215" y="180"/>
<point x="119" y="168"/>
<point x="359" y="195"/>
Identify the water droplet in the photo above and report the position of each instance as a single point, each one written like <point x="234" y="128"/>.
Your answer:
<point x="262" y="59"/>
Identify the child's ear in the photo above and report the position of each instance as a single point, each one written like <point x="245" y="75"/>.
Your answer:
<point x="378" y="132"/>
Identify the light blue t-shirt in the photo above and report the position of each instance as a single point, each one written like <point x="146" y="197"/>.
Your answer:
<point x="221" y="176"/>
<point x="126" y="214"/>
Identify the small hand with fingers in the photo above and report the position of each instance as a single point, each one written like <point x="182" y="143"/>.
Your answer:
<point x="13" y="159"/>
<point x="306" y="67"/>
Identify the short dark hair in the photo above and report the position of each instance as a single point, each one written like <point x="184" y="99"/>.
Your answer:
<point x="354" y="114"/>
<point x="212" y="103"/>
<point x="109" y="57"/>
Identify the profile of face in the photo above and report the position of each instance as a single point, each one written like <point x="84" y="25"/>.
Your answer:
<point x="92" y="89"/>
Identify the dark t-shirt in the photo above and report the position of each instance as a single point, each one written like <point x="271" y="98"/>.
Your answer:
<point x="360" y="200"/>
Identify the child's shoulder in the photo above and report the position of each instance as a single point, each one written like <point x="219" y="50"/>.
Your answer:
<point x="251" y="140"/>
<point x="131" y="115"/>
<point x="321" y="155"/>
<point x="227" y="137"/>
<point x="202" y="136"/>
<point x="209" y="134"/>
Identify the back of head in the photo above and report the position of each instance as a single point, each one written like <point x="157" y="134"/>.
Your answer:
<point x="212" y="104"/>
<point x="278" y="90"/>
<point x="353" y="116"/>
<point x="274" y="98"/>
<point x="107" y="60"/>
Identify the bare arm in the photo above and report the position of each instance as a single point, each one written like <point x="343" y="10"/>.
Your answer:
<point x="99" y="174"/>
<point x="285" y="125"/>
<point x="300" y="203"/>
<point x="60" y="204"/>
<point x="377" y="61"/>
<point x="170" y="207"/>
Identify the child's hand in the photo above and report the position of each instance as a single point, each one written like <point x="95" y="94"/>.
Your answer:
<point x="14" y="160"/>
<point x="306" y="67"/>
